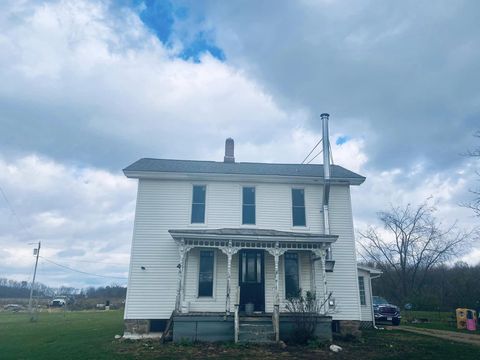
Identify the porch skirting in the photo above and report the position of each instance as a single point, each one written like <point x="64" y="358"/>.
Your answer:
<point x="212" y="327"/>
<point x="205" y="327"/>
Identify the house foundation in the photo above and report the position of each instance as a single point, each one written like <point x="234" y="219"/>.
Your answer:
<point x="349" y="328"/>
<point x="136" y="326"/>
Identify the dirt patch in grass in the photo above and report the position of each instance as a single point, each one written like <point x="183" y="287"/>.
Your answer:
<point x="373" y="345"/>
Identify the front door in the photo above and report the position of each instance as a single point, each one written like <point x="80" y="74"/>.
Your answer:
<point x="251" y="279"/>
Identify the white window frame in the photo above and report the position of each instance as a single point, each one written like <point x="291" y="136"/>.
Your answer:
<point x="298" y="227"/>
<point x="197" y="284"/>
<point x="205" y="220"/>
<point x="360" y="290"/>
<point x="299" y="267"/>
<point x="241" y="205"/>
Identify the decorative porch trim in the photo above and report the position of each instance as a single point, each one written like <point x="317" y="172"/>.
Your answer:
<point x="229" y="250"/>
<point x="322" y="255"/>
<point x="276" y="253"/>
<point x="254" y="244"/>
<point x="183" y="249"/>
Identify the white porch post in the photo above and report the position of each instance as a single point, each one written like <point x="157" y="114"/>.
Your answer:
<point x="322" y="254"/>
<point x="324" y="278"/>
<point x="182" y="251"/>
<point x="229" y="251"/>
<point x="313" y="274"/>
<point x="276" y="252"/>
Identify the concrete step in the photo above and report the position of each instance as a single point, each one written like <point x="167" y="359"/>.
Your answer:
<point x="256" y="338"/>
<point x="255" y="319"/>
<point x="255" y="327"/>
<point x="256" y="332"/>
<point x="256" y="341"/>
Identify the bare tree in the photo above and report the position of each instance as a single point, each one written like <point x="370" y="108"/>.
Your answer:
<point x="413" y="242"/>
<point x="475" y="203"/>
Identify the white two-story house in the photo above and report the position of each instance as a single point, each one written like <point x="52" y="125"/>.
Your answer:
<point x="220" y="246"/>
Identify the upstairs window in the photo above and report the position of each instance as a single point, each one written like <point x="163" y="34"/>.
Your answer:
<point x="205" y="274"/>
<point x="248" y="207"/>
<point x="292" y="284"/>
<point x="198" y="204"/>
<point x="298" y="207"/>
<point x="361" y="286"/>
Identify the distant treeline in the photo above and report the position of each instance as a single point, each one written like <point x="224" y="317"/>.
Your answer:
<point x="21" y="289"/>
<point x="443" y="288"/>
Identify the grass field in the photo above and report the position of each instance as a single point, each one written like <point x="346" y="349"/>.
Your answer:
<point x="90" y="335"/>
<point x="440" y="320"/>
<point x="82" y="335"/>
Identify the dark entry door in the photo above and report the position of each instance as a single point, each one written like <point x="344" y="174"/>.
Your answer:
<point x="251" y="279"/>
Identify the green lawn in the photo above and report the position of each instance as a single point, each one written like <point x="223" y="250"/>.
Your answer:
<point x="90" y="335"/>
<point x="55" y="336"/>
<point x="440" y="320"/>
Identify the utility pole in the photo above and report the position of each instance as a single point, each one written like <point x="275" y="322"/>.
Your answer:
<point x="35" y="252"/>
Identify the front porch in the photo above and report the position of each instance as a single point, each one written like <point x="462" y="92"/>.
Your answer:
<point x="215" y="327"/>
<point x="224" y="272"/>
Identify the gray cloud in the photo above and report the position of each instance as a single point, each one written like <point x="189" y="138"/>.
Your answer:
<point x="402" y="74"/>
<point x="71" y="252"/>
<point x="78" y="103"/>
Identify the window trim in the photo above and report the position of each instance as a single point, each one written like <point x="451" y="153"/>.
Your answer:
<point x="303" y="227"/>
<point x="360" y="291"/>
<point x="197" y="296"/>
<point x="241" y="205"/>
<point x="205" y="222"/>
<point x="285" y="273"/>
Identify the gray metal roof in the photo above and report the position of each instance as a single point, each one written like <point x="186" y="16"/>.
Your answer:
<point x="252" y="233"/>
<point x="239" y="168"/>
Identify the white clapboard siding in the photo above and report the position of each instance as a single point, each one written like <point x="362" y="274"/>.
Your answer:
<point x="343" y="281"/>
<point x="166" y="204"/>
<point x="217" y="302"/>
<point x="366" y="310"/>
<point x="304" y="278"/>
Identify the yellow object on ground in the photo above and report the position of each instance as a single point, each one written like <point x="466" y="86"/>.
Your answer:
<point x="461" y="318"/>
<point x="463" y="315"/>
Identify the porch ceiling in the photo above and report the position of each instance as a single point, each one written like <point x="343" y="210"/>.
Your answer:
<point x="245" y="234"/>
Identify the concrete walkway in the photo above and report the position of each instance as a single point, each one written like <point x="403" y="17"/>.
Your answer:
<point x="473" y="339"/>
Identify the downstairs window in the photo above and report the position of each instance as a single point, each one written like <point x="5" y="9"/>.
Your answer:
<point x="361" y="286"/>
<point x="205" y="274"/>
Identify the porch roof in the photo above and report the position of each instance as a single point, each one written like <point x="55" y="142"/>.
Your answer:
<point x="251" y="234"/>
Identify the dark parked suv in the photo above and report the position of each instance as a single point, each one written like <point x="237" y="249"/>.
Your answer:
<point x="386" y="312"/>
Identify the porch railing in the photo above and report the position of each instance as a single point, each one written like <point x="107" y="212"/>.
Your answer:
<point x="236" y="316"/>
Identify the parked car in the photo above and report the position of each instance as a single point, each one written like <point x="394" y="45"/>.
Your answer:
<point x="384" y="311"/>
<point x="58" y="303"/>
<point x="13" y="307"/>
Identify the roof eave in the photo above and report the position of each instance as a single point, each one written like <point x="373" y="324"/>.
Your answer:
<point x="218" y="176"/>
<point x="370" y="270"/>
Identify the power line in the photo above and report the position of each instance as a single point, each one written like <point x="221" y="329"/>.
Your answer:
<point x="311" y="151"/>
<point x="13" y="211"/>
<point x="309" y="161"/>
<point x="97" y="262"/>
<point x="82" y="272"/>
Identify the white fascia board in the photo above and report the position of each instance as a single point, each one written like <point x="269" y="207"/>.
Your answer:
<point x="369" y="270"/>
<point x="239" y="177"/>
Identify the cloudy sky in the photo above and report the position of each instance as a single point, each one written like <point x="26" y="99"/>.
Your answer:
<point x="88" y="87"/>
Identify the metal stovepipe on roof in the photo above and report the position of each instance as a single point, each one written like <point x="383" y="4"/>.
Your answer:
<point x="326" y="172"/>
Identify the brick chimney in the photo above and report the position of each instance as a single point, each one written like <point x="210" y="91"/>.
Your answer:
<point x="229" y="151"/>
